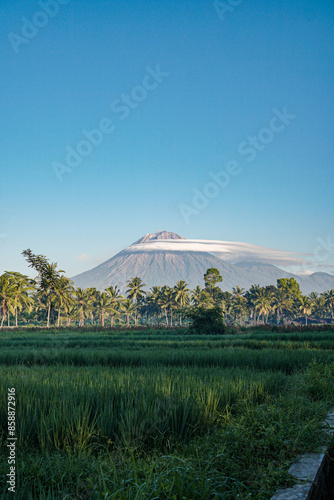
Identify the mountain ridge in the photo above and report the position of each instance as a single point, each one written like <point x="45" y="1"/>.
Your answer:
<point x="166" y="267"/>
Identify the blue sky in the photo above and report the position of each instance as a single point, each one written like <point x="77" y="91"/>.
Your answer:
<point x="223" y="77"/>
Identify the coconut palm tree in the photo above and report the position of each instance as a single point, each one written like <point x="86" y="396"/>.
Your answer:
<point x="263" y="303"/>
<point x="329" y="301"/>
<point x="181" y="295"/>
<point x="7" y="297"/>
<point x="168" y="302"/>
<point x="305" y="307"/>
<point x="23" y="285"/>
<point x="238" y="292"/>
<point x="135" y="291"/>
<point x="64" y="293"/>
<point x="157" y="299"/>
<point x="152" y="304"/>
<point x="201" y="298"/>
<point x="115" y="300"/>
<point x="94" y="295"/>
<point x="39" y="304"/>
<point x="103" y="305"/>
<point x="72" y="313"/>
<point x="48" y="276"/>
<point x="49" y="282"/>
<point x="281" y="303"/>
<point x="148" y="307"/>
<point x="84" y="301"/>
<point x="251" y="296"/>
<point x="129" y="308"/>
<point x="238" y="307"/>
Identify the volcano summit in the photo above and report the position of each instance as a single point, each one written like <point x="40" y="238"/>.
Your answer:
<point x="164" y="258"/>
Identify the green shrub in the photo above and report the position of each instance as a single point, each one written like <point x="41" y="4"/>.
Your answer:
<point x="207" y="321"/>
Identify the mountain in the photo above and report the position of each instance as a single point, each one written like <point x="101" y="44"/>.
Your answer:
<point x="162" y="267"/>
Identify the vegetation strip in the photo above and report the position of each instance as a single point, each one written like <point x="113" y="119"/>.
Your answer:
<point x="51" y="297"/>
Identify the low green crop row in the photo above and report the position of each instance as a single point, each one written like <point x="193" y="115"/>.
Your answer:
<point x="104" y="416"/>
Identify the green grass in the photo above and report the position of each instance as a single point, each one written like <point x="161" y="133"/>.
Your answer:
<point x="132" y="415"/>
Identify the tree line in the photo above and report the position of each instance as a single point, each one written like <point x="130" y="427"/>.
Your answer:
<point x="51" y="298"/>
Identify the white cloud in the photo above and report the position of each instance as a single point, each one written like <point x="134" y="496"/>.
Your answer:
<point x="229" y="251"/>
<point x="83" y="257"/>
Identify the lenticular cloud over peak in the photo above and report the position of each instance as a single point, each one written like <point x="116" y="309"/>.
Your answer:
<point x="229" y="251"/>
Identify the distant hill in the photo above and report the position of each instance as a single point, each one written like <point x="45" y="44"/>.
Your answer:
<point x="160" y="267"/>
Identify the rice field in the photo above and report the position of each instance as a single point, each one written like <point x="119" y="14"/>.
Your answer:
<point x="130" y="415"/>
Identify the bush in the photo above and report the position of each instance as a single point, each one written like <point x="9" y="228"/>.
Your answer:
<point x="207" y="321"/>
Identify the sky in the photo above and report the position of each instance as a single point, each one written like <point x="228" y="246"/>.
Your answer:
<point x="213" y="120"/>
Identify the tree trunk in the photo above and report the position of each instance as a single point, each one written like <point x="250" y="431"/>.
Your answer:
<point x="3" y="313"/>
<point x="127" y="319"/>
<point x="305" y="320"/>
<point x="49" y="312"/>
<point x="58" y="317"/>
<point x="16" y="324"/>
<point x="102" y="317"/>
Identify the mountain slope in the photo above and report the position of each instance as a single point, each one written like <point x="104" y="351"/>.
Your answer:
<point x="168" y="267"/>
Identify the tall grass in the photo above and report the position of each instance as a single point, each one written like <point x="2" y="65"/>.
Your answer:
<point x="287" y="360"/>
<point x="136" y="416"/>
<point x="84" y="409"/>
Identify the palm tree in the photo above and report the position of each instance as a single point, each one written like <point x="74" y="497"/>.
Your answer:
<point x="237" y="292"/>
<point x="201" y="298"/>
<point x="157" y="300"/>
<point x="251" y="296"/>
<point x="49" y="282"/>
<point x="135" y="291"/>
<point x="64" y="293"/>
<point x="39" y="304"/>
<point x="72" y="313"/>
<point x="168" y="302"/>
<point x="129" y="308"/>
<point x="94" y="295"/>
<point x="23" y="285"/>
<point x="115" y="300"/>
<point x="181" y="295"/>
<point x="83" y="298"/>
<point x="103" y="304"/>
<point x="329" y="301"/>
<point x="305" y="307"/>
<point x="151" y="306"/>
<point x="238" y="307"/>
<point x="281" y="302"/>
<point x="48" y="275"/>
<point x="262" y="303"/>
<point x="7" y="297"/>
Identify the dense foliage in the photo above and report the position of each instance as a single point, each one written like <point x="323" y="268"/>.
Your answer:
<point x="206" y="321"/>
<point x="52" y="299"/>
